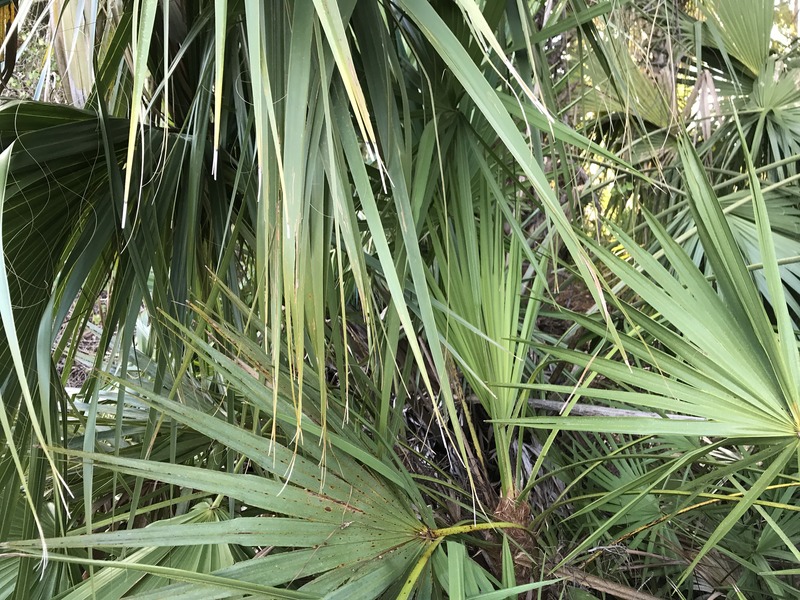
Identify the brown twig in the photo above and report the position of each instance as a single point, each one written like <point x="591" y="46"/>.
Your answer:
<point x="601" y="585"/>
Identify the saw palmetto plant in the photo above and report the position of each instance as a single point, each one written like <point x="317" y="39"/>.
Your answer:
<point x="402" y="299"/>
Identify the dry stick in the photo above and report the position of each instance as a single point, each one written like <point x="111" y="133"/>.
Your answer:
<point x="604" y="411"/>
<point x="601" y="585"/>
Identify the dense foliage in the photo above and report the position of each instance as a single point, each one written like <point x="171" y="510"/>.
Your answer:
<point x="466" y="299"/>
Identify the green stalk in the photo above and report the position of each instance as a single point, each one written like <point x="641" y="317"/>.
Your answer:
<point x="503" y="441"/>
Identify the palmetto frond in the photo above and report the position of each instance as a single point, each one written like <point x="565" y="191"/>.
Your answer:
<point x="322" y="234"/>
